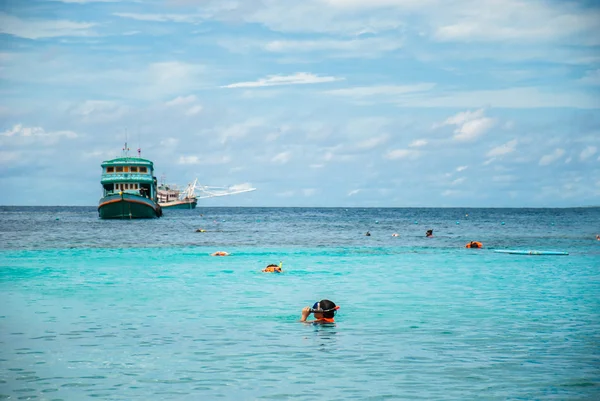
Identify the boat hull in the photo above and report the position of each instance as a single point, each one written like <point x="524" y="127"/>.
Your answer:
<point x="128" y="206"/>
<point x="180" y="204"/>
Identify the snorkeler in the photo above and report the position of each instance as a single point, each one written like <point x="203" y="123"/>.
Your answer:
<point x="474" y="244"/>
<point x="429" y="234"/>
<point x="367" y="234"/>
<point x="273" y="268"/>
<point x="219" y="253"/>
<point x="200" y="230"/>
<point x="324" y="312"/>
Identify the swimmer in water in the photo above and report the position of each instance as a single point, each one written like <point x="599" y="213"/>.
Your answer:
<point x="200" y="230"/>
<point x="598" y="237"/>
<point x="324" y="312"/>
<point x="429" y="234"/>
<point x="474" y="244"/>
<point x="273" y="268"/>
<point x="219" y="253"/>
<point x="395" y="235"/>
<point x="367" y="234"/>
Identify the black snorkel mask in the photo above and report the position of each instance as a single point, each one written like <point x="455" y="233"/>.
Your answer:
<point x="316" y="308"/>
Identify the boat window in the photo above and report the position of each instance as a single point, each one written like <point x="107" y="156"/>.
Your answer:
<point x="110" y="169"/>
<point x="126" y="169"/>
<point x="126" y="186"/>
<point x="134" y="169"/>
<point x="143" y="170"/>
<point x="119" y="169"/>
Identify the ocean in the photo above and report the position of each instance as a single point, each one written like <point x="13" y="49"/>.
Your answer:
<point x="139" y="310"/>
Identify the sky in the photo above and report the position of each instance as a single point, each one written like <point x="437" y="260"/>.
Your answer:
<point x="324" y="103"/>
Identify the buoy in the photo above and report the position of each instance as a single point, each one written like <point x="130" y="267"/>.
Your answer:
<point x="458" y="222"/>
<point x="376" y="221"/>
<point x="416" y="222"/>
<point x="502" y="223"/>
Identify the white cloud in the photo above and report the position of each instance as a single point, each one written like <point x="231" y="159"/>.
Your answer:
<point x="99" y="110"/>
<point x="501" y="150"/>
<point x="194" y="110"/>
<point x="591" y="77"/>
<point x="181" y="100"/>
<point x="354" y="192"/>
<point x="469" y="125"/>
<point x="552" y="157"/>
<point x="9" y="157"/>
<point x="402" y="154"/>
<point x="241" y="187"/>
<point x="461" y="168"/>
<point x="207" y="160"/>
<point x="309" y="191"/>
<point x="38" y="29"/>
<point x="160" y="17"/>
<point x="458" y="181"/>
<point x="372" y="142"/>
<point x="588" y="152"/>
<point x="418" y="143"/>
<point x="282" y="157"/>
<point x="316" y="165"/>
<point x="20" y="135"/>
<point x="273" y="80"/>
<point x="512" y="98"/>
<point x="381" y="90"/>
<point x="339" y="48"/>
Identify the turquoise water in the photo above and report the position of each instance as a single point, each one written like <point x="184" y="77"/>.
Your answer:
<point x="121" y="310"/>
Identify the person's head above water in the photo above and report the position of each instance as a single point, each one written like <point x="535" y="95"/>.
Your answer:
<point x="429" y="233"/>
<point x="324" y="311"/>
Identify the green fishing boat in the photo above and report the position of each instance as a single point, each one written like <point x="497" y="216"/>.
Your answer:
<point x="129" y="188"/>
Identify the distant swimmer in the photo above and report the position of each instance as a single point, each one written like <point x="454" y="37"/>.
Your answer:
<point x="273" y="268"/>
<point x="200" y="230"/>
<point x="219" y="253"/>
<point x="395" y="235"/>
<point x="474" y="244"/>
<point x="367" y="234"/>
<point x="324" y="312"/>
<point x="429" y="233"/>
<point x="598" y="237"/>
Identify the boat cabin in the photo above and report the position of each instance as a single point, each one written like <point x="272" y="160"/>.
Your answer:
<point x="130" y="175"/>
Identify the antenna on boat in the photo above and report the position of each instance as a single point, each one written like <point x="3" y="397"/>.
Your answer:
<point x="125" y="148"/>
<point x="139" y="146"/>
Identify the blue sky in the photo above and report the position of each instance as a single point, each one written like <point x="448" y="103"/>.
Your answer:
<point x="315" y="103"/>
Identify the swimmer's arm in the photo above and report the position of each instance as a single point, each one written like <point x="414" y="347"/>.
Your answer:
<point x="305" y="314"/>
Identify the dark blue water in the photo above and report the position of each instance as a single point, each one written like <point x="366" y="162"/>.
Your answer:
<point x="121" y="310"/>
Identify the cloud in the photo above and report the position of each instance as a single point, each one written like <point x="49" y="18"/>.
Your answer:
<point x="354" y="192"/>
<point x="381" y="90"/>
<point x="336" y="48"/>
<point x="469" y="124"/>
<point x="309" y="191"/>
<point x="418" y="143"/>
<point x="372" y="142"/>
<point x="588" y="152"/>
<point x="20" y="135"/>
<point x="501" y="150"/>
<point x="241" y="187"/>
<point x="39" y="29"/>
<point x="461" y="168"/>
<point x="513" y="20"/>
<point x="458" y="181"/>
<point x="160" y="17"/>
<point x="282" y="157"/>
<point x="205" y="160"/>
<point x="552" y="157"/>
<point x="402" y="154"/>
<point x="92" y="111"/>
<point x="181" y="100"/>
<point x="274" y="80"/>
<point x="591" y="77"/>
